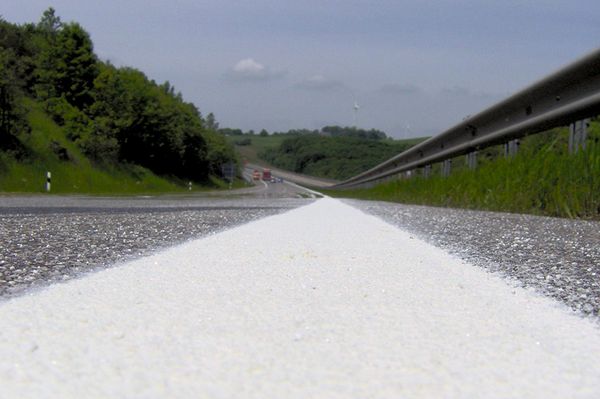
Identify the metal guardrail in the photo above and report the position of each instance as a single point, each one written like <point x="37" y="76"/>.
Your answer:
<point x="570" y="94"/>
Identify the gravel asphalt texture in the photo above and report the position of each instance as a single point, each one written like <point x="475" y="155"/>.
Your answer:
<point x="323" y="301"/>
<point x="557" y="257"/>
<point x="50" y="239"/>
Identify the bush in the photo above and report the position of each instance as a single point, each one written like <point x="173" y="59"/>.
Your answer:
<point x="243" y="142"/>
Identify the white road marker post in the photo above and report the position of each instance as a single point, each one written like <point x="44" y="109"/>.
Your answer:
<point x="48" y="178"/>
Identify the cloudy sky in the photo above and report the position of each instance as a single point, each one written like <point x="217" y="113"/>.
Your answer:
<point x="415" y="67"/>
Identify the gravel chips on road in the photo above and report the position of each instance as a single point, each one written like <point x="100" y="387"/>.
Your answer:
<point x="334" y="304"/>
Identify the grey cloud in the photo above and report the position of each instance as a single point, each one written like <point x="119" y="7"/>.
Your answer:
<point x="463" y="92"/>
<point x="457" y="91"/>
<point x="399" y="89"/>
<point x="320" y="83"/>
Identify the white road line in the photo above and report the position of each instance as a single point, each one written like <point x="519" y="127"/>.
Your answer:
<point x="315" y="193"/>
<point x="321" y="302"/>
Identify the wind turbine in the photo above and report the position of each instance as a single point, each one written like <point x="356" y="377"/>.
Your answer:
<point x="407" y="131"/>
<point x="356" y="108"/>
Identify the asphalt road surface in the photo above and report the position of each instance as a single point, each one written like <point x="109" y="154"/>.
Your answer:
<point x="320" y="301"/>
<point x="47" y="239"/>
<point x="556" y="257"/>
<point x="304" y="180"/>
<point x="269" y="291"/>
<point x="54" y="238"/>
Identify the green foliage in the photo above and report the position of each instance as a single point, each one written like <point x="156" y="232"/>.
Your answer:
<point x="243" y="142"/>
<point x="67" y="66"/>
<point x="542" y="179"/>
<point x="18" y="47"/>
<point x="296" y="132"/>
<point x="72" y="171"/>
<point x="338" y="131"/>
<point x="211" y="122"/>
<point x="230" y="132"/>
<point x="113" y="116"/>
<point x="12" y="115"/>
<point x="337" y="157"/>
<point x="50" y="23"/>
<point x="219" y="152"/>
<point x="9" y="115"/>
<point x="256" y="145"/>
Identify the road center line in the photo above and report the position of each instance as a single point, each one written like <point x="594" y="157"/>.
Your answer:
<point x="322" y="301"/>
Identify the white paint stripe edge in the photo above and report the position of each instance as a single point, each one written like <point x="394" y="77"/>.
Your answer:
<point x="305" y="189"/>
<point x="322" y="301"/>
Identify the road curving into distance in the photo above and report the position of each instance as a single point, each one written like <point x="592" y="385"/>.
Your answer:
<point x="303" y="180"/>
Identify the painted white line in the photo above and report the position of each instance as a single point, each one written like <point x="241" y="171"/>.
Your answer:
<point x="322" y="302"/>
<point x="316" y="193"/>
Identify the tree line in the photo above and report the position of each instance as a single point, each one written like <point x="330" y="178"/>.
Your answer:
<point x="114" y="114"/>
<point x="332" y="130"/>
<point x="336" y="156"/>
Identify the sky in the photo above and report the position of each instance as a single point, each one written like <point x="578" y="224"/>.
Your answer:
<point x="414" y="67"/>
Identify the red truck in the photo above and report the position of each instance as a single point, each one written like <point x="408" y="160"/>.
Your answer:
<point x="266" y="175"/>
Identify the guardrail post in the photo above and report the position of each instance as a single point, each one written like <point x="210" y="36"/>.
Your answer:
<point x="426" y="171"/>
<point x="446" y="167"/>
<point x="472" y="160"/>
<point x="577" y="135"/>
<point x="511" y="148"/>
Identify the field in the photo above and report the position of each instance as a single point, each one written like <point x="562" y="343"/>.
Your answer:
<point x="257" y="145"/>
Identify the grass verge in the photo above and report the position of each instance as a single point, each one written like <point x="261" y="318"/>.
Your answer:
<point x="541" y="179"/>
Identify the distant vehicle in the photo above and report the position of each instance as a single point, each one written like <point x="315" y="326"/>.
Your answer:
<point x="256" y="175"/>
<point x="266" y="175"/>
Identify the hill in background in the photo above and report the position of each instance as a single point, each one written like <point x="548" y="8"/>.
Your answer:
<point x="334" y="152"/>
<point x="96" y="126"/>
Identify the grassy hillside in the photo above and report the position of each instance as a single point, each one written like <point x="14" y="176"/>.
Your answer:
<point x="49" y="149"/>
<point x="257" y="145"/>
<point x="541" y="179"/>
<point x="257" y="148"/>
<point x="333" y="157"/>
<point x="97" y="127"/>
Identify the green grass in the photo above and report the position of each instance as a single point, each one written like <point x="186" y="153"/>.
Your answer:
<point x="258" y="144"/>
<point x="542" y="179"/>
<point x="78" y="174"/>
